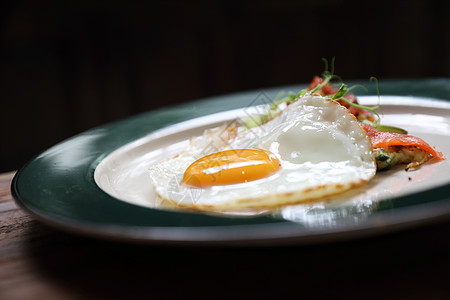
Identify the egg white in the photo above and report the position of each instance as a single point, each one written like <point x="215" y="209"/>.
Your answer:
<point x="321" y="148"/>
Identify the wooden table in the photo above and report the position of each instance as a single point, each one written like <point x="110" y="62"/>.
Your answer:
<point x="38" y="262"/>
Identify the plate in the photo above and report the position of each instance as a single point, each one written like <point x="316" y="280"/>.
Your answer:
<point x="96" y="183"/>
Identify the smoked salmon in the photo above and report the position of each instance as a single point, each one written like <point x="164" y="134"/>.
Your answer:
<point x="381" y="139"/>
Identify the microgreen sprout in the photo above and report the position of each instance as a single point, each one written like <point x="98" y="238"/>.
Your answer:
<point x="343" y="90"/>
<point x="291" y="97"/>
<point x="327" y="77"/>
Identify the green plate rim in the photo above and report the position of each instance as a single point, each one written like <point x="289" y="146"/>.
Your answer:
<point x="67" y="197"/>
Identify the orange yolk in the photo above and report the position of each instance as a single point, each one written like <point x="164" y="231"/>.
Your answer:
<point x="231" y="167"/>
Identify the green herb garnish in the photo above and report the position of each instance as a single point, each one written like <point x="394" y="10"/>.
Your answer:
<point x="327" y="77"/>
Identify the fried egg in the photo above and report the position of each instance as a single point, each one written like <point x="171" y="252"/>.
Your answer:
<point x="313" y="149"/>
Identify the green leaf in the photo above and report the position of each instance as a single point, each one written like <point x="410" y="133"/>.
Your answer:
<point x="387" y="128"/>
<point x="341" y="92"/>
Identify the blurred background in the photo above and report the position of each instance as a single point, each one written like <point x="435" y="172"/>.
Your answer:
<point x="68" y="66"/>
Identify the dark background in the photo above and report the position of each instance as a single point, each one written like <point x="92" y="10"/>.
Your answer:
<point x="69" y="66"/>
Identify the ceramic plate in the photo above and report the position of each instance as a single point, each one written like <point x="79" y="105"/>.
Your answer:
<point x="96" y="183"/>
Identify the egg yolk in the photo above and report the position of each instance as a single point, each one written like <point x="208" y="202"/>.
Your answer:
<point x="231" y="167"/>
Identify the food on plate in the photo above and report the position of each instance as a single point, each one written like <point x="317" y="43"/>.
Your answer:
<point x="392" y="145"/>
<point x="311" y="149"/>
<point x="321" y="86"/>
<point x="391" y="148"/>
<point x="306" y="146"/>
